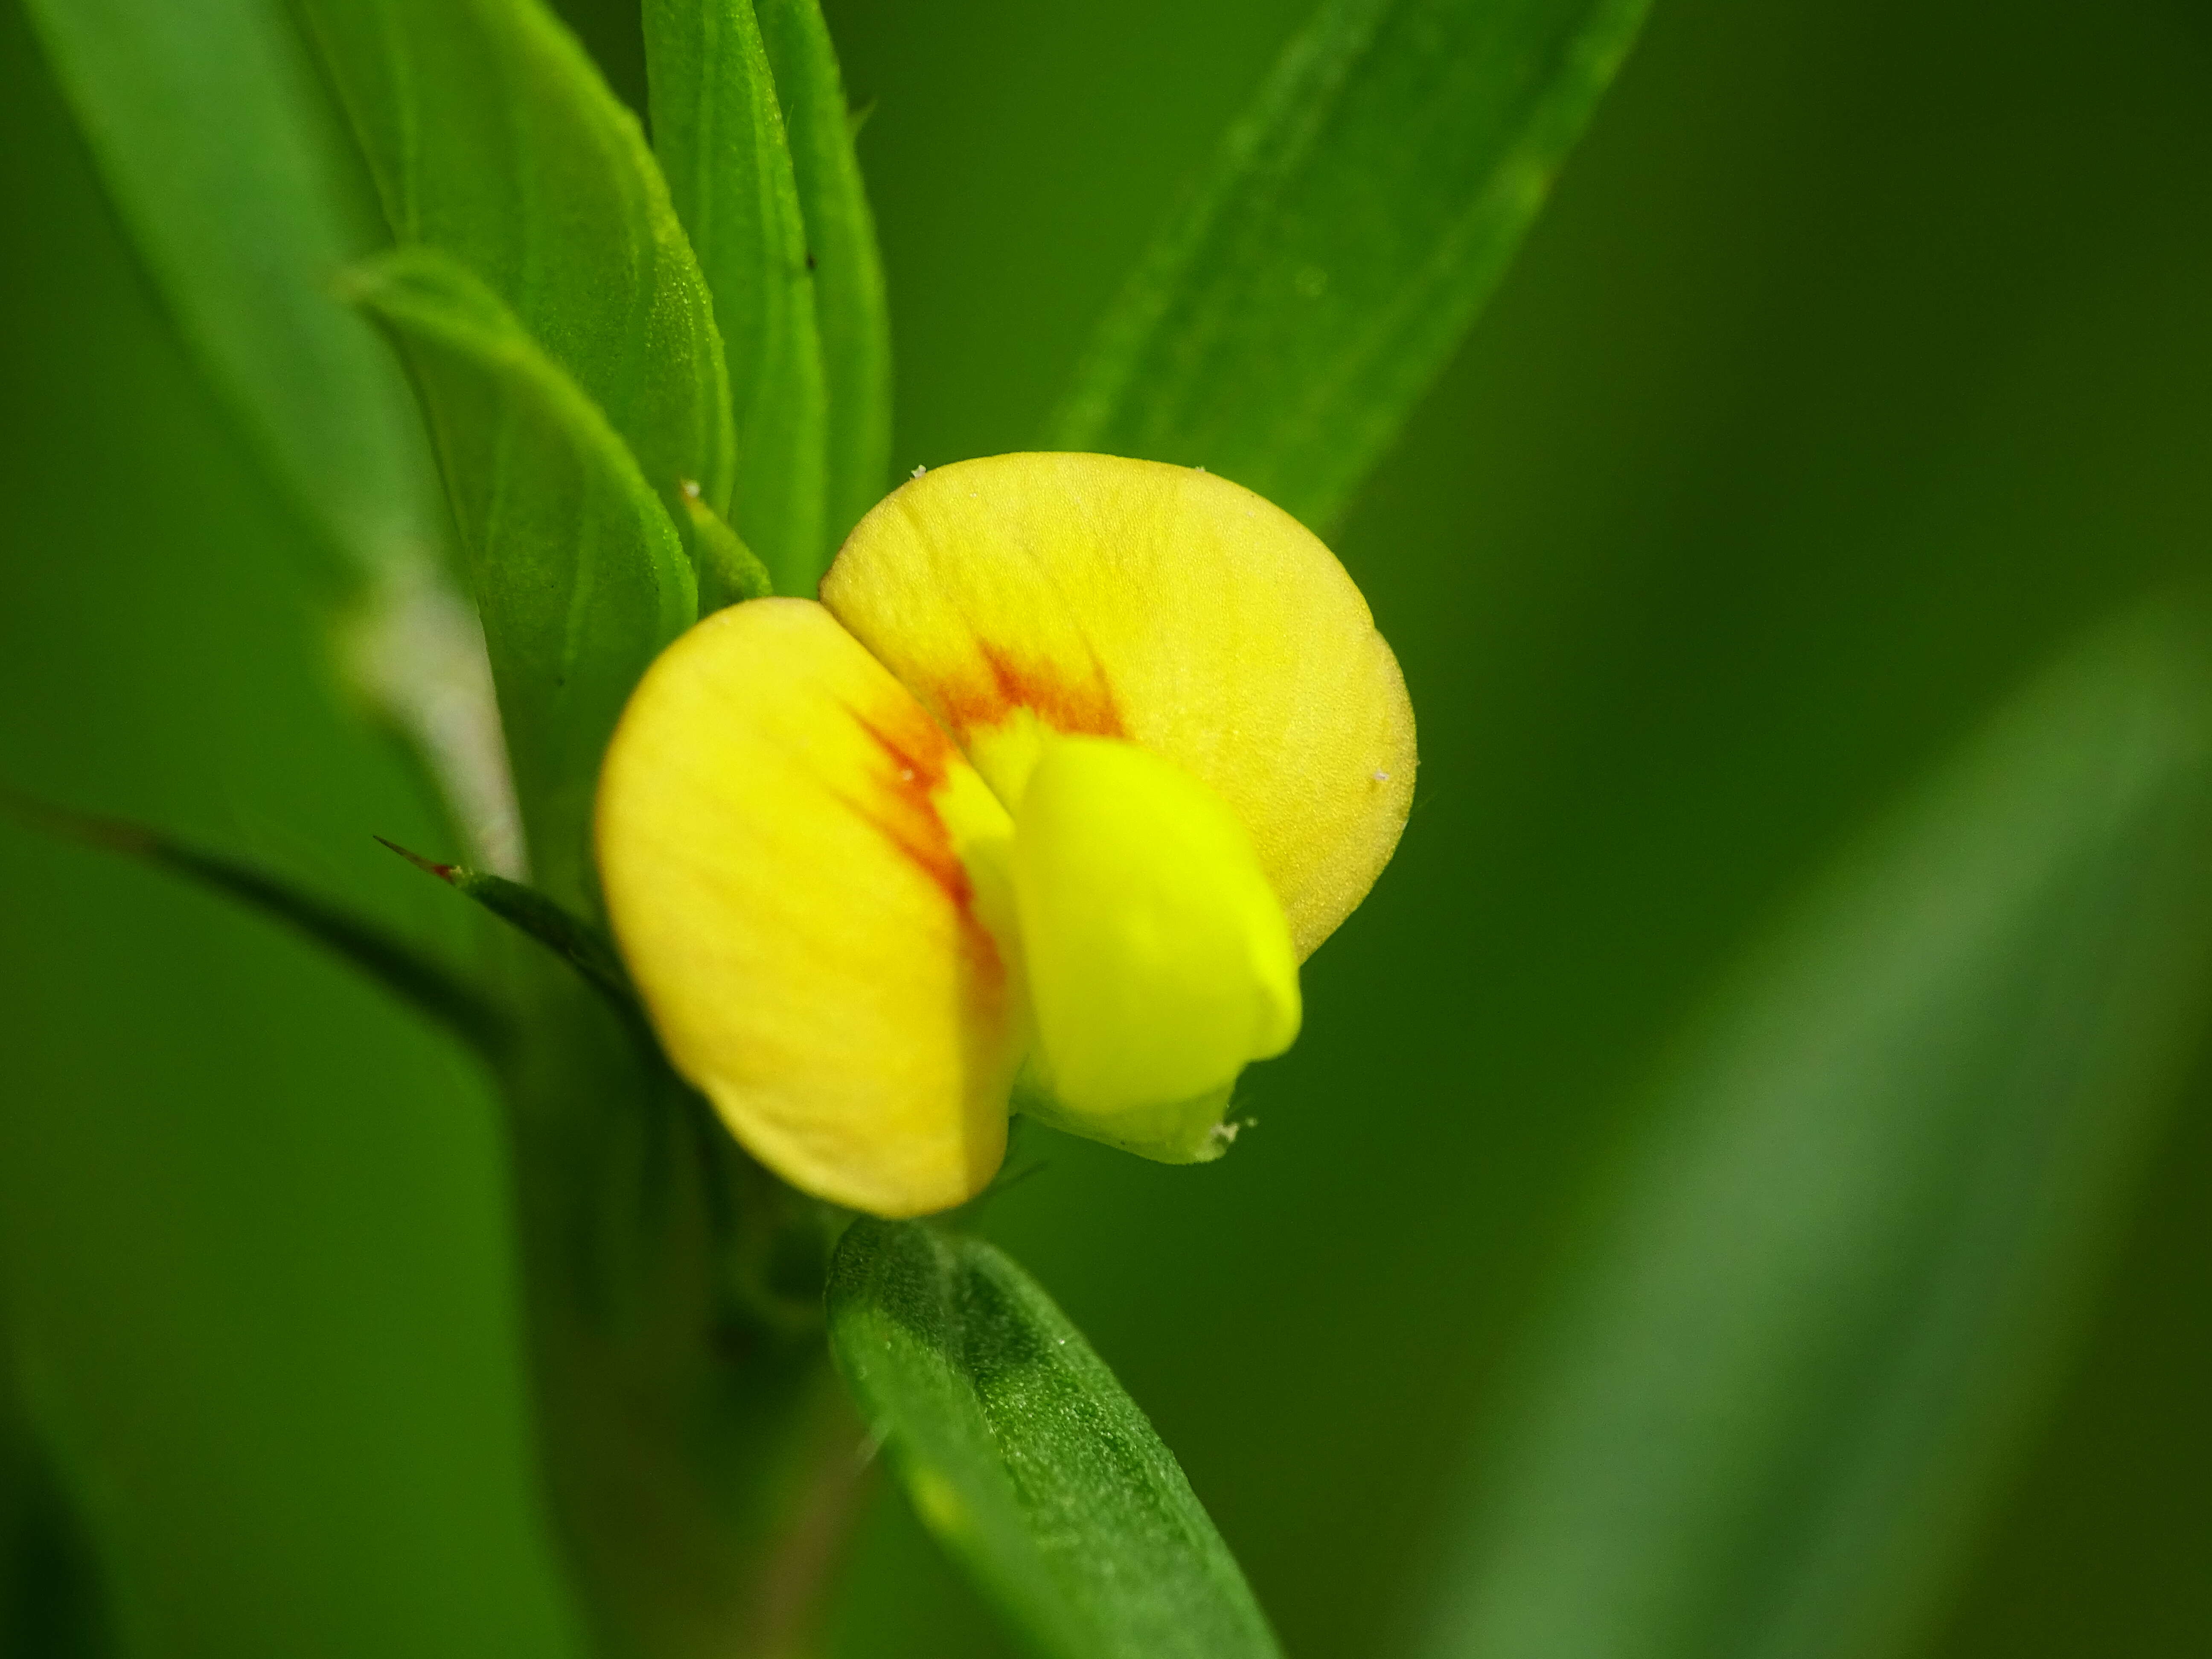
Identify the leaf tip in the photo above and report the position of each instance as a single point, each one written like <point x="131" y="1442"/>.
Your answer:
<point x="448" y="873"/>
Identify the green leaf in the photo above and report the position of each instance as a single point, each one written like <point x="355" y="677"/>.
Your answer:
<point x="728" y="571"/>
<point x="848" y="275"/>
<point x="1842" y="1271"/>
<point x="415" y="978"/>
<point x="718" y="132"/>
<point x="578" y="574"/>
<point x="491" y="136"/>
<point x="234" y="178"/>
<point x="526" y="910"/>
<point x="216" y="146"/>
<point x="1353" y="224"/>
<point x="1026" y="1458"/>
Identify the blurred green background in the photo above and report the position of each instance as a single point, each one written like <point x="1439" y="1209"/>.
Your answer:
<point x="1862" y="357"/>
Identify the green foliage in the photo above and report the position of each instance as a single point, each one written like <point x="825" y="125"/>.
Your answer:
<point x="1026" y="1459"/>
<point x="51" y="1605"/>
<point x="1876" y="1190"/>
<point x="577" y="573"/>
<point x="695" y="1448"/>
<point x="719" y="133"/>
<point x="728" y="570"/>
<point x="50" y="1601"/>
<point x="841" y="240"/>
<point x="1354" y="222"/>
<point x="1828" y="1292"/>
<point x="492" y="137"/>
<point x="530" y="913"/>
<point x="217" y="149"/>
<point x="399" y="968"/>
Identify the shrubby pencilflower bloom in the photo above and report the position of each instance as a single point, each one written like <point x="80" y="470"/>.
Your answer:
<point x="1039" y="808"/>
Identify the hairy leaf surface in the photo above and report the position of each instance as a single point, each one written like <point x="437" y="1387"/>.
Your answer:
<point x="491" y="136"/>
<point x="1022" y="1454"/>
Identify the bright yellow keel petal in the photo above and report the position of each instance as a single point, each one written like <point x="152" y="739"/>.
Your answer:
<point x="800" y="871"/>
<point x="1090" y="594"/>
<point x="1159" y="961"/>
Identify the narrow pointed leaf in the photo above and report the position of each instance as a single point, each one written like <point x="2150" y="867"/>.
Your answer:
<point x="1840" y="1272"/>
<point x="407" y="972"/>
<point x="491" y="136"/>
<point x="578" y="573"/>
<point x="719" y="133"/>
<point x="848" y="275"/>
<point x="1022" y="1454"/>
<point x="227" y="166"/>
<point x="526" y="910"/>
<point x="1353" y="224"/>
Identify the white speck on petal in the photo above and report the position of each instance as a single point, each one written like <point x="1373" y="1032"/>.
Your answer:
<point x="919" y="471"/>
<point x="1381" y="777"/>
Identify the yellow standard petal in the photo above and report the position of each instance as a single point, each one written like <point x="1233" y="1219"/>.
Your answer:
<point x="1092" y="595"/>
<point x="1159" y="962"/>
<point x="808" y="883"/>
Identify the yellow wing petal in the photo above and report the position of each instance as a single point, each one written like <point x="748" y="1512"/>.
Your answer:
<point x="808" y="883"/>
<point x="1089" y="594"/>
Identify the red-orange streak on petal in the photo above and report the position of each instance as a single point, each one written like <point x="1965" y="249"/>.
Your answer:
<point x="915" y="757"/>
<point x="1064" y="703"/>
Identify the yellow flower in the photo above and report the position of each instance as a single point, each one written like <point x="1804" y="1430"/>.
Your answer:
<point x="1075" y="762"/>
